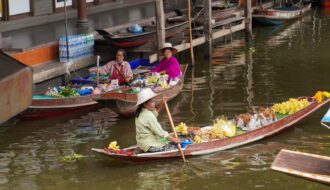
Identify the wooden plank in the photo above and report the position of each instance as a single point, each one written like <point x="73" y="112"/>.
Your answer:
<point x="54" y="69"/>
<point x="309" y="166"/>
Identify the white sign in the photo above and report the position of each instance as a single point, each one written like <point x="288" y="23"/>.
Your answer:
<point x="19" y="7"/>
<point x="60" y="3"/>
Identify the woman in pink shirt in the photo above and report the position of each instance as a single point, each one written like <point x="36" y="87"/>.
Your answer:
<point x="169" y="64"/>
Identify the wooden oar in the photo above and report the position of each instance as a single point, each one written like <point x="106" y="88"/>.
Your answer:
<point x="175" y="134"/>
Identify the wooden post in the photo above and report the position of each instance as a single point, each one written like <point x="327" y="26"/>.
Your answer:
<point x="248" y="21"/>
<point x="82" y="12"/>
<point x="190" y="36"/>
<point x="208" y="28"/>
<point x="160" y="22"/>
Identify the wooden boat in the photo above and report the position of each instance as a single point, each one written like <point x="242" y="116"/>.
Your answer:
<point x="220" y="11"/>
<point x="278" y="15"/>
<point x="125" y="38"/>
<point x="123" y="103"/>
<point x="46" y="106"/>
<point x="43" y="107"/>
<point x="129" y="154"/>
<point x="308" y="166"/>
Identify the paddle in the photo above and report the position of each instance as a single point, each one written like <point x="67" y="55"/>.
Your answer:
<point x="175" y="134"/>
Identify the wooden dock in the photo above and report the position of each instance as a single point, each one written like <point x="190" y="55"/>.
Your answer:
<point x="49" y="70"/>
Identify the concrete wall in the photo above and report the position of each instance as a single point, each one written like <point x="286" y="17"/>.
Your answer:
<point x="43" y="7"/>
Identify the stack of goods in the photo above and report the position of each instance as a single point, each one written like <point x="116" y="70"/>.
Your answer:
<point x="67" y="91"/>
<point x="153" y="81"/>
<point x="291" y="106"/>
<point x="321" y="96"/>
<point x="79" y="47"/>
<point x="221" y="128"/>
<point x="252" y="121"/>
<point x="113" y="147"/>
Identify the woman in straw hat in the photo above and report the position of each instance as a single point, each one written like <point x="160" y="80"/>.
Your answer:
<point x="150" y="135"/>
<point x="169" y="64"/>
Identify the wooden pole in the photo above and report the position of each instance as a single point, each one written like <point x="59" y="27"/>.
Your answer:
<point x="82" y="12"/>
<point x="98" y="72"/>
<point x="160" y="23"/>
<point x="190" y="36"/>
<point x="208" y="28"/>
<point x="66" y="76"/>
<point x="175" y="134"/>
<point x="248" y="21"/>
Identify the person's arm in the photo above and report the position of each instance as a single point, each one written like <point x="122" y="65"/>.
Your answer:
<point x="105" y="69"/>
<point x="129" y="72"/>
<point x="173" y="139"/>
<point x="159" y="67"/>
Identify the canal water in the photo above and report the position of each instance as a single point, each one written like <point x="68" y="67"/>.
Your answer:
<point x="285" y="61"/>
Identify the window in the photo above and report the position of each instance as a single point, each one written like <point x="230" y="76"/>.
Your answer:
<point x="60" y="3"/>
<point x="17" y="7"/>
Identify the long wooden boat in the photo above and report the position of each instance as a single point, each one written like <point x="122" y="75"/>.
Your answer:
<point x="219" y="11"/>
<point x="278" y="15"/>
<point x="123" y="103"/>
<point x="125" y="38"/>
<point x="130" y="154"/>
<point x="305" y="165"/>
<point x="43" y="106"/>
<point x="53" y="107"/>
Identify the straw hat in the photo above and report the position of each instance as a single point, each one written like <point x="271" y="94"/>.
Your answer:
<point x="145" y="95"/>
<point x="167" y="46"/>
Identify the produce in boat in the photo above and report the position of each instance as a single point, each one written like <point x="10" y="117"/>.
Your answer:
<point x="113" y="146"/>
<point x="291" y="106"/>
<point x="320" y="96"/>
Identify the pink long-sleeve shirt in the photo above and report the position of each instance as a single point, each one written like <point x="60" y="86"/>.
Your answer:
<point x="171" y="66"/>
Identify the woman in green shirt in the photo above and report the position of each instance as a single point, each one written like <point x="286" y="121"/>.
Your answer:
<point x="150" y="135"/>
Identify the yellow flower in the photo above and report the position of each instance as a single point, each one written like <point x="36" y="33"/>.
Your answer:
<point x="113" y="146"/>
<point x="318" y="96"/>
<point x="182" y="128"/>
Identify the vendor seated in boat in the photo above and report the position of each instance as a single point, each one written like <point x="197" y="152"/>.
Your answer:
<point x="150" y="135"/>
<point x="168" y="65"/>
<point x="117" y="69"/>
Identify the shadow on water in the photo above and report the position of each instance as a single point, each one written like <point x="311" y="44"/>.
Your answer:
<point x="288" y="61"/>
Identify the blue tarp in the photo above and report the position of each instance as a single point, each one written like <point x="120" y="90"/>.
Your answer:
<point x="326" y="118"/>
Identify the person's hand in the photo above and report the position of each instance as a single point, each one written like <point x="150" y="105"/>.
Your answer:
<point x="128" y="79"/>
<point x="92" y="70"/>
<point x="176" y="140"/>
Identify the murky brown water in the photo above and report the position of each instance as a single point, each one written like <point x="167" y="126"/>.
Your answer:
<point x="290" y="60"/>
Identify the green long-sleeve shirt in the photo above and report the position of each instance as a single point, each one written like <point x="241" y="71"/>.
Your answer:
<point x="149" y="132"/>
